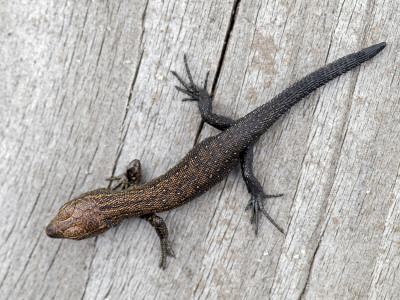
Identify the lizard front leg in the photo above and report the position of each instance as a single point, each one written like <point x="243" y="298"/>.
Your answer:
<point x="131" y="177"/>
<point x="204" y="101"/>
<point x="161" y="228"/>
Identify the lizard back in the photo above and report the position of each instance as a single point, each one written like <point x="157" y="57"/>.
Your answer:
<point x="212" y="159"/>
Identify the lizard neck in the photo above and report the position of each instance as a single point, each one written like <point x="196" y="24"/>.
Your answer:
<point x="123" y="204"/>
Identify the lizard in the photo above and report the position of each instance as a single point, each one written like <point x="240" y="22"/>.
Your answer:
<point x="208" y="163"/>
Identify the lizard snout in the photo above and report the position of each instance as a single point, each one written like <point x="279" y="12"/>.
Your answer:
<point x="52" y="231"/>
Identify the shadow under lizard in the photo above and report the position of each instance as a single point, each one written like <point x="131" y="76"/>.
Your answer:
<point x="203" y="167"/>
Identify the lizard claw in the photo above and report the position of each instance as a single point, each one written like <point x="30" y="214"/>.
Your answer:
<point x="166" y="250"/>
<point x="256" y="204"/>
<point x="123" y="182"/>
<point x="190" y="88"/>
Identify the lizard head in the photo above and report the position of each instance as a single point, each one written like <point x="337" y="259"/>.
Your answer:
<point x="78" y="219"/>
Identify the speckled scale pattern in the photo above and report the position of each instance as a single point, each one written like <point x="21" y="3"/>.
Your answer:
<point x="203" y="167"/>
<point x="260" y="119"/>
<point x="211" y="160"/>
<point x="81" y="217"/>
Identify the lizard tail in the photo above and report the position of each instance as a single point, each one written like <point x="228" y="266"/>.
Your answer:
<point x="266" y="115"/>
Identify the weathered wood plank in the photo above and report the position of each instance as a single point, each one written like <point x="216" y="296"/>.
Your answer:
<point x="87" y="88"/>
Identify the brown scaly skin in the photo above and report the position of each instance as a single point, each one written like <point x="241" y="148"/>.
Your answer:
<point x="203" y="167"/>
<point x="79" y="218"/>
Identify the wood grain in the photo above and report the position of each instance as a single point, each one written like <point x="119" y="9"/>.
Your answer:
<point x="86" y="87"/>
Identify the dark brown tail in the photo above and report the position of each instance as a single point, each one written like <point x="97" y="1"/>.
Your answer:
<point x="260" y="119"/>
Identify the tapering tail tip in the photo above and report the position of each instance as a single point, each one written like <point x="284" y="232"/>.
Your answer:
<point x="374" y="50"/>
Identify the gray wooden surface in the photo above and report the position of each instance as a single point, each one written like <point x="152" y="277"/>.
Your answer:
<point x="86" y="87"/>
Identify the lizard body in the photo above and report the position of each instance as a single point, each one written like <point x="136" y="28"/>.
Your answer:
<point x="204" y="166"/>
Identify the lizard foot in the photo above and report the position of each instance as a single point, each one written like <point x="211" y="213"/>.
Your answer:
<point x="132" y="176"/>
<point x="256" y="204"/>
<point x="161" y="228"/>
<point x="166" y="250"/>
<point x="191" y="89"/>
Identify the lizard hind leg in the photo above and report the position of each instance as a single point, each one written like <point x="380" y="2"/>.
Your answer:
<point x="132" y="176"/>
<point x="203" y="98"/>
<point x="219" y="122"/>
<point x="255" y="189"/>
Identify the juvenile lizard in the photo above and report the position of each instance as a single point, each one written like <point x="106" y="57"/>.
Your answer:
<point x="203" y="167"/>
